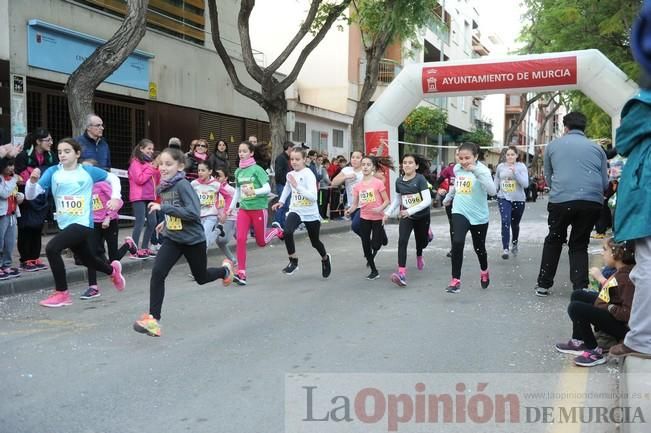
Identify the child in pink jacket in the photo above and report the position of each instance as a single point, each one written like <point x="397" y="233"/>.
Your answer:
<point x="143" y="179"/>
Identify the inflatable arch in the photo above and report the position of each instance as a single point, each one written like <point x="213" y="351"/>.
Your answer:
<point x="587" y="70"/>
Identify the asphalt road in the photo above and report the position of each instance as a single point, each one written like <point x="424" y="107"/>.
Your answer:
<point x="229" y="358"/>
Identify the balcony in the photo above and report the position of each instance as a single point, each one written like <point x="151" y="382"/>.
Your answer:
<point x="388" y="70"/>
<point x="440" y="29"/>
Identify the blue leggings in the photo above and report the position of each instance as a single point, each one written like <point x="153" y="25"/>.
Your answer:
<point x="143" y="218"/>
<point x="511" y="213"/>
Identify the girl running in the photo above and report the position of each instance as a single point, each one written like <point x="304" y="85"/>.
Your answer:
<point x="183" y="235"/>
<point x="303" y="208"/>
<point x="226" y="225"/>
<point x="252" y="194"/>
<point x="511" y="178"/>
<point x="143" y="178"/>
<point x="351" y="176"/>
<point x="472" y="183"/>
<point x="413" y="199"/>
<point x="105" y="230"/>
<point x="371" y="197"/>
<point x="207" y="189"/>
<point x="71" y="185"/>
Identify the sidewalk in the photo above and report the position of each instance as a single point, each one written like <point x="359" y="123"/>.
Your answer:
<point x="30" y="281"/>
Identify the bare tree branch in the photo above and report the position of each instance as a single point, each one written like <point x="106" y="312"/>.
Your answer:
<point x="245" y="39"/>
<point x="226" y="59"/>
<point x="521" y="117"/>
<point x="289" y="79"/>
<point x="302" y="31"/>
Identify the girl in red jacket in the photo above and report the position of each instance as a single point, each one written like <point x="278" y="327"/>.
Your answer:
<point x="143" y="179"/>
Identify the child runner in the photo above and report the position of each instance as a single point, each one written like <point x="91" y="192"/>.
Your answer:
<point x="105" y="231"/>
<point x="143" y="178"/>
<point x="511" y="178"/>
<point x="472" y="183"/>
<point x="413" y="199"/>
<point x="226" y="225"/>
<point x="607" y="310"/>
<point x="207" y="189"/>
<point x="350" y="176"/>
<point x="252" y="194"/>
<point x="183" y="235"/>
<point x="371" y="197"/>
<point x="10" y="198"/>
<point x="71" y="184"/>
<point x="303" y="208"/>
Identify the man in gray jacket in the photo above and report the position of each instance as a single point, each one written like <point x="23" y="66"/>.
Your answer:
<point x="577" y="174"/>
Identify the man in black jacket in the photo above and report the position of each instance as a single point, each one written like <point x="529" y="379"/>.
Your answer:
<point x="281" y="168"/>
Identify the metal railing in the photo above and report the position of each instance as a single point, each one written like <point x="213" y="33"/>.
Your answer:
<point x="388" y="70"/>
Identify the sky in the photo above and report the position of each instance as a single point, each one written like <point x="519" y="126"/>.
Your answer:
<point x="501" y="17"/>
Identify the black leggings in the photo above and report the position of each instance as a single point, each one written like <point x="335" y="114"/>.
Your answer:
<point x="292" y="221"/>
<point x="583" y="314"/>
<point x="371" y="234"/>
<point x="109" y="236"/>
<point x="460" y="227"/>
<point x="78" y="239"/>
<point x="29" y="243"/>
<point x="419" y="227"/>
<point x="170" y="252"/>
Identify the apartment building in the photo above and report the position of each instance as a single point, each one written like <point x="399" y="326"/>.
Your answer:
<point x="173" y="85"/>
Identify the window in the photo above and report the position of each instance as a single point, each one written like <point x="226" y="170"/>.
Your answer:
<point x="183" y="19"/>
<point x="300" y="132"/>
<point x="337" y="138"/>
<point x="462" y="103"/>
<point x="319" y="140"/>
<point x="514" y="100"/>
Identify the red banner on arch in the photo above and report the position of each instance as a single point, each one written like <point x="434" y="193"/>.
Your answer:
<point x="559" y="71"/>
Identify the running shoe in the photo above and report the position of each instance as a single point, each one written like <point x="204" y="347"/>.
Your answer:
<point x="326" y="266"/>
<point x="420" y="263"/>
<point x="57" y="299"/>
<point x="90" y="293"/>
<point x="291" y="267"/>
<point x="131" y="245"/>
<point x="3" y="276"/>
<point x="449" y="254"/>
<point x="118" y="279"/>
<point x="622" y="349"/>
<point x="399" y="279"/>
<point x="240" y="278"/>
<point x="40" y="265"/>
<point x="140" y="255"/>
<point x="228" y="278"/>
<point x="29" y="266"/>
<point x="541" y="291"/>
<point x="11" y="272"/>
<point x="484" y="279"/>
<point x="590" y="358"/>
<point x="514" y="248"/>
<point x="374" y="275"/>
<point x="454" y="286"/>
<point x="281" y="233"/>
<point x="505" y="254"/>
<point x="572" y="347"/>
<point x="147" y="325"/>
<point x="151" y="253"/>
<point x="220" y="228"/>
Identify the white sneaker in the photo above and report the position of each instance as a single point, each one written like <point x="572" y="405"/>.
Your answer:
<point x="505" y="254"/>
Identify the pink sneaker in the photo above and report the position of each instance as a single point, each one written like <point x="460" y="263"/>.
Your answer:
<point x="484" y="279"/>
<point x="150" y="253"/>
<point x="420" y="263"/>
<point x="57" y="299"/>
<point x="131" y="245"/>
<point x="118" y="280"/>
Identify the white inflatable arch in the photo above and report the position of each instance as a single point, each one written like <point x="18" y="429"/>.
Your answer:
<point x="588" y="70"/>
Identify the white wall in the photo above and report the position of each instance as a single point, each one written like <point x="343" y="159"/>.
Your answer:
<point x="186" y="74"/>
<point x="323" y="80"/>
<point x="4" y="29"/>
<point x="314" y="123"/>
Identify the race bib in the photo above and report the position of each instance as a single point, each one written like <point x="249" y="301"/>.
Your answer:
<point x="463" y="185"/>
<point x="250" y="187"/>
<point x="173" y="223"/>
<point x="97" y="203"/>
<point x="207" y="198"/>
<point x="71" y="205"/>
<point x="367" y="196"/>
<point x="508" y="185"/>
<point x="221" y="203"/>
<point x="411" y="200"/>
<point x="300" y="200"/>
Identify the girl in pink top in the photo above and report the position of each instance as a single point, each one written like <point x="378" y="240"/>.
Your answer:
<point x="143" y="179"/>
<point x="370" y="195"/>
<point x="226" y="225"/>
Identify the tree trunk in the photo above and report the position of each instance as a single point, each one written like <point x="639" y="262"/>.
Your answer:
<point x="277" y="113"/>
<point x="521" y="117"/>
<point x="81" y="85"/>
